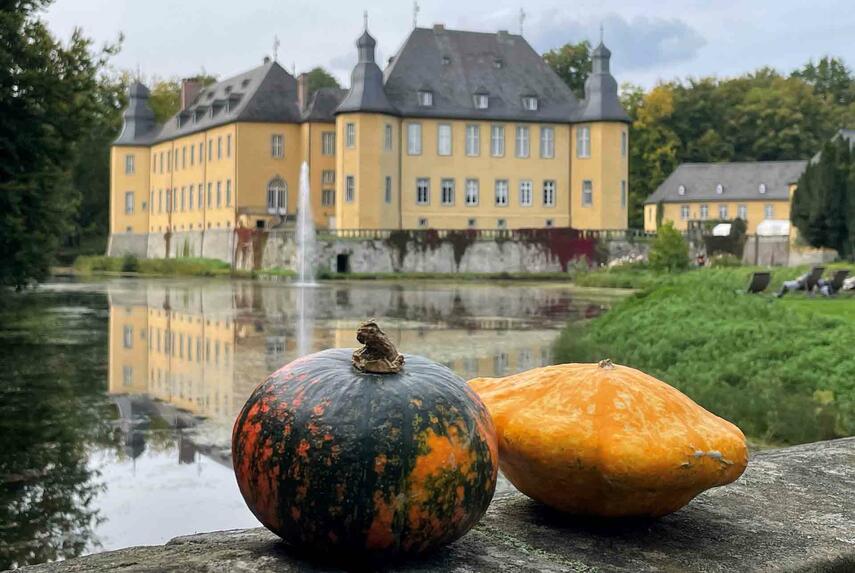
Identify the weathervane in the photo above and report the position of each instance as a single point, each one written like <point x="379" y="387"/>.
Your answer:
<point x="415" y="14"/>
<point x="365" y="20"/>
<point x="522" y="20"/>
<point x="601" y="32"/>
<point x="275" y="47"/>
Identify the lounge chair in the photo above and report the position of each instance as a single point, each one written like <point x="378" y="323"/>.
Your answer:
<point x="813" y="278"/>
<point x="759" y="282"/>
<point x="837" y="280"/>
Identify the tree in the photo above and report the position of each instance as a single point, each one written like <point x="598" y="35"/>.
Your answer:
<point x="572" y="63"/>
<point x="48" y="102"/>
<point x="320" y="78"/>
<point x="165" y="97"/>
<point x="824" y="200"/>
<point x="829" y="78"/>
<point x="669" y="251"/>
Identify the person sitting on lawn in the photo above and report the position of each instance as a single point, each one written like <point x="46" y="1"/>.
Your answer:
<point x="799" y="283"/>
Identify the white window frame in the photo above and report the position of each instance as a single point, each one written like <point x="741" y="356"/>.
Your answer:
<point x="583" y="142"/>
<point x="530" y="103"/>
<point x="128" y="336"/>
<point x="549" y="187"/>
<point x="472" y="192"/>
<point x="349" y="188"/>
<point x="129" y="202"/>
<point x="481" y="101"/>
<point x="328" y="197"/>
<point x="350" y="135"/>
<point x="473" y="140"/>
<point x="328" y="143"/>
<point x="425" y="98"/>
<point x="722" y="212"/>
<point x="684" y="212"/>
<point x="328" y="176"/>
<point x="277" y="146"/>
<point x="769" y="211"/>
<point x="130" y="164"/>
<point x="587" y="193"/>
<point x="497" y="140"/>
<point x="414" y="138"/>
<point x="547" y="142"/>
<point x="277" y="196"/>
<point x="422" y="190"/>
<point x="444" y="136"/>
<point x="501" y="193"/>
<point x="525" y="193"/>
<point x="704" y="212"/>
<point x="742" y="212"/>
<point x="446" y="192"/>
<point x="522" y="141"/>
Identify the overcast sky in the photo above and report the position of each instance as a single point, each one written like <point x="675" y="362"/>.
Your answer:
<point x="649" y="40"/>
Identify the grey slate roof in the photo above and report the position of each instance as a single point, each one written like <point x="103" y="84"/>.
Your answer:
<point x="267" y="93"/>
<point x="741" y="181"/>
<point x="366" y="82"/>
<point x="323" y="104"/>
<point x="601" y="100"/>
<point x="138" y="119"/>
<point x="455" y="65"/>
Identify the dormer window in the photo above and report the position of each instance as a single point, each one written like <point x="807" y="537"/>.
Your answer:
<point x="681" y="190"/>
<point x="498" y="63"/>
<point x="482" y="101"/>
<point x="244" y="83"/>
<point x="446" y="60"/>
<point x="529" y="103"/>
<point x="425" y="98"/>
<point x="762" y="188"/>
<point x="719" y="189"/>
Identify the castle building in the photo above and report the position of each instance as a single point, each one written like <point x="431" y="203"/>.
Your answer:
<point x="462" y="130"/>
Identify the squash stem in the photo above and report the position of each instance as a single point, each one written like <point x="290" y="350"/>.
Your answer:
<point x="378" y="355"/>
<point x="606" y="364"/>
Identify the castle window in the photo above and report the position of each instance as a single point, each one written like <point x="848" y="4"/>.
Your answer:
<point x="587" y="193"/>
<point x="705" y="212"/>
<point x="501" y="192"/>
<point x="473" y="140"/>
<point x="522" y="141"/>
<point x="228" y="192"/>
<point x="742" y="212"/>
<point x="722" y="212"/>
<point x="502" y="223"/>
<point x="623" y="194"/>
<point x="128" y="337"/>
<point x="328" y="143"/>
<point x="624" y="139"/>
<point x="277" y="196"/>
<point x="219" y="194"/>
<point x="190" y="199"/>
<point x="497" y="140"/>
<point x="161" y="162"/>
<point x="229" y="145"/>
<point x="423" y="222"/>
<point x="425" y="98"/>
<point x="414" y="139"/>
<point x="443" y="139"/>
<point x="769" y="211"/>
<point x="684" y="212"/>
<point x="550" y="223"/>
<point x="549" y="193"/>
<point x="210" y="195"/>
<point x="498" y="63"/>
<point x="447" y="192"/>
<point x="200" y="203"/>
<point x="183" y="198"/>
<point x="525" y="193"/>
<point x="184" y="157"/>
<point x="388" y="189"/>
<point x="201" y="152"/>
<point x="472" y="188"/>
<point x="328" y="176"/>
<point x="277" y="146"/>
<point x="350" y="135"/>
<point x="192" y="155"/>
<point x="129" y="202"/>
<point x="328" y="197"/>
<point x="719" y="189"/>
<point x="210" y="150"/>
<point x="471" y="223"/>
<point x="529" y="103"/>
<point x="130" y="168"/>
<point x="387" y="137"/>
<point x="547" y="142"/>
<point x="583" y="141"/>
<point x="482" y="101"/>
<point x="681" y="190"/>
<point x="349" y="188"/>
<point x="422" y="191"/>
<point x="762" y="188"/>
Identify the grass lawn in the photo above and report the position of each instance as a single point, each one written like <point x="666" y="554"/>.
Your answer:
<point x="781" y="369"/>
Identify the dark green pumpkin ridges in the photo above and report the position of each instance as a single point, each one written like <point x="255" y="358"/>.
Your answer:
<point x="330" y="458"/>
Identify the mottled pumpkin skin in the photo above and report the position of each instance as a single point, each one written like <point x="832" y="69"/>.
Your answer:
<point x="608" y="441"/>
<point x="372" y="465"/>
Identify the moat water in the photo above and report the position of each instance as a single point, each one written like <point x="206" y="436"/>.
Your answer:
<point x="117" y="397"/>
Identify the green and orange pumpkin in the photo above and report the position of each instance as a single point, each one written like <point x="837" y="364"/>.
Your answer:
<point x="367" y="453"/>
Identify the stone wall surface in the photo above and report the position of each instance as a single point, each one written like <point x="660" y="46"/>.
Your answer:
<point x="122" y="244"/>
<point x="792" y="510"/>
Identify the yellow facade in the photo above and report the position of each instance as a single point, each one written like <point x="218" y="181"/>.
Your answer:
<point x="129" y="183"/>
<point x="605" y="170"/>
<point x="681" y="213"/>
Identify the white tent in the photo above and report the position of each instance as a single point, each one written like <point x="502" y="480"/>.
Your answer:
<point x="773" y="228"/>
<point x="721" y="230"/>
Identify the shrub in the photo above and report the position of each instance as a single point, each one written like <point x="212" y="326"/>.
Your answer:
<point x="721" y="261"/>
<point x="669" y="251"/>
<point x="130" y="264"/>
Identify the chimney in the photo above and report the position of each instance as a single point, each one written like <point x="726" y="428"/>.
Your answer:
<point x="439" y="28"/>
<point x="503" y="35"/>
<point x="190" y="88"/>
<point x="303" y="91"/>
<point x="266" y="59"/>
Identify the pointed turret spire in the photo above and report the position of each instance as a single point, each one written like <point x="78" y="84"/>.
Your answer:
<point x="366" y="81"/>
<point x="601" y="99"/>
<point x="138" y="117"/>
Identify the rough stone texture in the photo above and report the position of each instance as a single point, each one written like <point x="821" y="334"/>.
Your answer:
<point x="218" y="244"/>
<point x="122" y="244"/>
<point x="186" y="243"/>
<point x="793" y="510"/>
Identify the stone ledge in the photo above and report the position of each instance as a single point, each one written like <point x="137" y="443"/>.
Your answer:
<point x="792" y="510"/>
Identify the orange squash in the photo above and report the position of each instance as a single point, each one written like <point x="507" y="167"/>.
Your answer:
<point x="608" y="440"/>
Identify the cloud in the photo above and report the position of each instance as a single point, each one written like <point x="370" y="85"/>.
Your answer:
<point x="638" y="43"/>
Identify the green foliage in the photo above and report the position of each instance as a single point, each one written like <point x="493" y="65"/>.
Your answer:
<point x="320" y="78"/>
<point x="130" y="264"/>
<point x="669" y="251"/>
<point x="823" y="207"/>
<point x="725" y="261"/>
<point x="572" y="63"/>
<point x="830" y="78"/>
<point x="165" y="97"/>
<point x="184" y="266"/>
<point x="49" y="105"/>
<point x="624" y="276"/>
<point x="780" y="369"/>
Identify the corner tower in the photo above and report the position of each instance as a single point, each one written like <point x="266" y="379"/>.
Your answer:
<point x="600" y="152"/>
<point x="367" y="149"/>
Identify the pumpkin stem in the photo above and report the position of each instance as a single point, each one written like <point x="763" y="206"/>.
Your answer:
<point x="606" y="364"/>
<point x="379" y="355"/>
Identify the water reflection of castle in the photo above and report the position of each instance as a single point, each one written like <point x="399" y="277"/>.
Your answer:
<point x="203" y="346"/>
